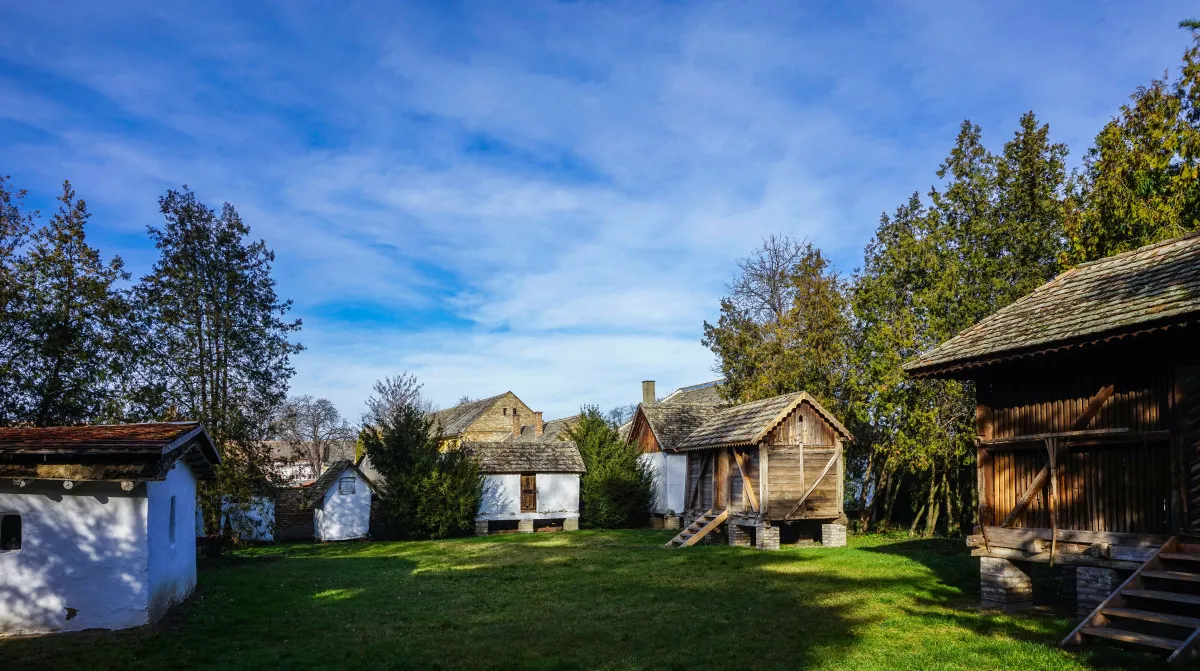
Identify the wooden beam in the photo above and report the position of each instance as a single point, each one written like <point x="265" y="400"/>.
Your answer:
<point x="747" y="486"/>
<point x="1006" y="537"/>
<point x="1043" y="557"/>
<point x="1039" y="438"/>
<point x="1022" y="503"/>
<point x="1093" y="408"/>
<point x="837" y="454"/>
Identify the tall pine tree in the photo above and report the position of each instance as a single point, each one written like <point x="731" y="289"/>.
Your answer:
<point x="215" y="341"/>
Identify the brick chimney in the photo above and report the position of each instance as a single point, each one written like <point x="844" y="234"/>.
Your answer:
<point x="539" y="426"/>
<point x="648" y="392"/>
<point x="516" y="424"/>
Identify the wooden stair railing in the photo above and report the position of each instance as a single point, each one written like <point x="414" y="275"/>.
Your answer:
<point x="1156" y="608"/>
<point x="698" y="529"/>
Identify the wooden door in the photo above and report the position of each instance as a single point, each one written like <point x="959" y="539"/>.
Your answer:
<point x="528" y="493"/>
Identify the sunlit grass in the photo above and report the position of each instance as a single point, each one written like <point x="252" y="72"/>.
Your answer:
<point x="582" y="600"/>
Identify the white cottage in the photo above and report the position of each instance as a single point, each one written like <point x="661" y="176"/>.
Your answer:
<point x="96" y="523"/>
<point x="334" y="507"/>
<point x="528" y="484"/>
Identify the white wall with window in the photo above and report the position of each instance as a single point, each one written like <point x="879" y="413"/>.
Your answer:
<point x="344" y="510"/>
<point x="172" y="558"/>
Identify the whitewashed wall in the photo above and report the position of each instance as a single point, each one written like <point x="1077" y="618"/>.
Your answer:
<point x="344" y="516"/>
<point x="558" y="497"/>
<point x="256" y="523"/>
<point x="84" y="550"/>
<point x="670" y="479"/>
<point x="172" y="557"/>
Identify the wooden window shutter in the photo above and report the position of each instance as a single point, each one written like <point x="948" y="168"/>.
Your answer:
<point x="528" y="493"/>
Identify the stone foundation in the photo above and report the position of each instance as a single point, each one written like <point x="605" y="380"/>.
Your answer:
<point x="833" y="535"/>
<point x="481" y="527"/>
<point x="671" y="523"/>
<point x="738" y="536"/>
<point x="525" y="526"/>
<point x="571" y="524"/>
<point x="768" y="538"/>
<point x="1005" y="584"/>
<point x="1093" y="585"/>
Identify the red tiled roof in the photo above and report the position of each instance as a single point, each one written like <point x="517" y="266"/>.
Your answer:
<point x="132" y="437"/>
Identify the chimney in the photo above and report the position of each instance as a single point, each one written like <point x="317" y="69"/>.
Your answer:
<point x="538" y="425"/>
<point x="648" y="392"/>
<point x="516" y="424"/>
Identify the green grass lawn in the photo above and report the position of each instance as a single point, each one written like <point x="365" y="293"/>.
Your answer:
<point x="581" y="600"/>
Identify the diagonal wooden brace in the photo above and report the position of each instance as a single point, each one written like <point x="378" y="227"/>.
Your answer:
<point x="747" y="486"/>
<point x="837" y="454"/>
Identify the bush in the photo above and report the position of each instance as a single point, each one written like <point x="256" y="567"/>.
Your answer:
<point x="425" y="493"/>
<point x="616" y="491"/>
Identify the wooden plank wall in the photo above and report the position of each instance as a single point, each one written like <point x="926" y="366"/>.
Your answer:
<point x="1020" y="407"/>
<point x="700" y="467"/>
<point x="798" y="451"/>
<point x="1188" y="390"/>
<point x="1120" y="488"/>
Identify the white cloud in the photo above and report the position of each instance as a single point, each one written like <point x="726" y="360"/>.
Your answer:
<point x="546" y="199"/>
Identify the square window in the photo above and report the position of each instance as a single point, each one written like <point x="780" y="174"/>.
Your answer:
<point x="10" y="533"/>
<point x="346" y="486"/>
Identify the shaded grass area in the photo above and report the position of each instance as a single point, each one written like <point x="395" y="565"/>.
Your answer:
<point x="592" y="599"/>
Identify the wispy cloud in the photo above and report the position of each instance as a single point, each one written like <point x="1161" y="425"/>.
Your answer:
<point x="544" y="198"/>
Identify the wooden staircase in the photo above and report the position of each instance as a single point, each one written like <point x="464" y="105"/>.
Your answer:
<point x="698" y="529"/>
<point x="1157" y="608"/>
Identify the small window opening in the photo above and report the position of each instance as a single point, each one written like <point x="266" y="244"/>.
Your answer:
<point x="346" y="486"/>
<point x="171" y="522"/>
<point x="10" y="533"/>
<point x="505" y="412"/>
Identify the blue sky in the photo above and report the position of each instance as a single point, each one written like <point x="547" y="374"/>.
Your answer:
<point x="542" y="197"/>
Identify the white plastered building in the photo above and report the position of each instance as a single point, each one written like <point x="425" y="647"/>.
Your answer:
<point x="96" y="523"/>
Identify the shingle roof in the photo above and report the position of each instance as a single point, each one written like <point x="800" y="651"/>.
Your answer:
<point x="705" y="393"/>
<point x="1147" y="288"/>
<point x="550" y="456"/>
<point x="454" y="421"/>
<point x="317" y="488"/>
<point x="672" y="423"/>
<point x="551" y="430"/>
<point x="106" y="452"/>
<point x="750" y="422"/>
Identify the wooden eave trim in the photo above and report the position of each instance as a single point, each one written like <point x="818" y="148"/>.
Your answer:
<point x="947" y="368"/>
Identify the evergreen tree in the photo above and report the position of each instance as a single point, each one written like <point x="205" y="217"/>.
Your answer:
<point x="15" y="223"/>
<point x="215" y="343"/>
<point x="1140" y="183"/>
<point x="784" y="326"/>
<point x="73" y="344"/>
<point x="425" y="492"/>
<point x="616" y="490"/>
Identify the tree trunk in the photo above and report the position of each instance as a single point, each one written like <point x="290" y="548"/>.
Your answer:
<point x="863" y="513"/>
<point x="933" y="505"/>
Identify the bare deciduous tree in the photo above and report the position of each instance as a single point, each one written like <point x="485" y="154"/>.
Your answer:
<point x="762" y="288"/>
<point x="312" y="428"/>
<point x="391" y="393"/>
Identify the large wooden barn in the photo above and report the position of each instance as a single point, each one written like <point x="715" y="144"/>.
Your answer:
<point x="1088" y="426"/>
<point x="765" y="471"/>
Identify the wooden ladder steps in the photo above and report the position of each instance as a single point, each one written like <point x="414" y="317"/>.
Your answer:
<point x="1179" y="556"/>
<point x="1173" y="575"/>
<point x="698" y="529"/>
<point x="1151" y="616"/>
<point x="1132" y="637"/>
<point x="1160" y="595"/>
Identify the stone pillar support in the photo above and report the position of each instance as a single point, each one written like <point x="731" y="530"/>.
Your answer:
<point x="1005" y="584"/>
<point x="1093" y="585"/>
<point x="571" y="524"/>
<point x="833" y="535"/>
<point x="481" y="527"/>
<point x="525" y="526"/>
<point x="768" y="538"/>
<point x="738" y="536"/>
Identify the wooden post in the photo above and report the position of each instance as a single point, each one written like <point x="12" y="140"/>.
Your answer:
<point x="983" y="470"/>
<point x="1052" y="452"/>
<point x="764" y="490"/>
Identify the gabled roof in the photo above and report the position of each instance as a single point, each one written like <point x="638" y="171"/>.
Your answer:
<point x="317" y="488"/>
<point x="1150" y="288"/>
<point x="705" y="393"/>
<point x="672" y="423"/>
<point x="106" y="452"/>
<point x="454" y="421"/>
<point x="552" y="456"/>
<point x="749" y="423"/>
<point x="551" y="430"/>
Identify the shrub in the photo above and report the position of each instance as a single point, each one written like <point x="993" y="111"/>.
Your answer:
<point x="616" y="491"/>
